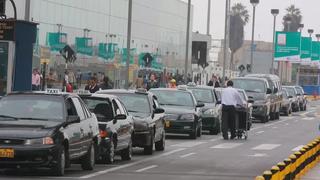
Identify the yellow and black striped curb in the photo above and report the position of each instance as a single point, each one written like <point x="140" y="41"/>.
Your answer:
<point x="296" y="165"/>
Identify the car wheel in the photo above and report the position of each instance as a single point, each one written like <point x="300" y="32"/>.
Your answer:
<point x="277" y="115"/>
<point x="58" y="169"/>
<point x="265" y="119"/>
<point x="88" y="161"/>
<point x="126" y="154"/>
<point x="199" y="132"/>
<point x="193" y="135"/>
<point x="160" y="145"/>
<point x="108" y="158"/>
<point x="305" y="108"/>
<point x="148" y="150"/>
<point x="287" y="112"/>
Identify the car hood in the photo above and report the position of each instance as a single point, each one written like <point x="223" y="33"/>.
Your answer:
<point x="257" y="96"/>
<point x="178" y="110"/>
<point x="26" y="128"/>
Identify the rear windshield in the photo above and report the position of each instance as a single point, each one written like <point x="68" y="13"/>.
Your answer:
<point x="203" y="95"/>
<point x="101" y="107"/>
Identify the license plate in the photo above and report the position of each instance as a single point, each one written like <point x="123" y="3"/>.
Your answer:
<point x="167" y="124"/>
<point x="6" y="153"/>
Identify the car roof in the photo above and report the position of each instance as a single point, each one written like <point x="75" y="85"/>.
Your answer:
<point x="105" y="96"/>
<point x="250" y="78"/>
<point x="171" y="89"/>
<point x="269" y="76"/>
<point x="65" y="95"/>
<point x="124" y="91"/>
<point x="200" y="87"/>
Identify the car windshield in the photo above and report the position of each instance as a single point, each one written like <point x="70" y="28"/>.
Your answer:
<point x="203" y="95"/>
<point x="32" y="107"/>
<point x="101" y="107"/>
<point x="291" y="91"/>
<point x="135" y="103"/>
<point x="250" y="85"/>
<point x="243" y="95"/>
<point x="174" y="98"/>
<point x="299" y="90"/>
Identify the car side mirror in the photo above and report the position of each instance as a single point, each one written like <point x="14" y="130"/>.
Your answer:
<point x="158" y="111"/>
<point x="251" y="101"/>
<point x="269" y="91"/>
<point x="290" y="97"/>
<point x="121" y="117"/>
<point x="298" y="94"/>
<point x="73" y="119"/>
<point x="200" y="105"/>
<point x="219" y="102"/>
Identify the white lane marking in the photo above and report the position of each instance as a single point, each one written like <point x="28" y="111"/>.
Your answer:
<point x="147" y="168"/>
<point x="287" y="124"/>
<point x="173" y="151"/>
<point x="226" y="145"/>
<point x="297" y="148"/>
<point x="275" y="127"/>
<point x="308" y="118"/>
<point x="128" y="165"/>
<point x="271" y="124"/>
<point x="258" y="155"/>
<point x="213" y="140"/>
<point x="188" y="144"/>
<point x="187" y="155"/>
<point x="259" y="132"/>
<point x="305" y="113"/>
<point x="266" y="147"/>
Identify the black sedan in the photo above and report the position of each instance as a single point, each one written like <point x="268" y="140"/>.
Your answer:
<point x="148" y="118"/>
<point x="47" y="130"/>
<point x="115" y="125"/>
<point x="182" y="112"/>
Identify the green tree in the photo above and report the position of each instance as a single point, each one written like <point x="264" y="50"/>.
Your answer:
<point x="296" y="18"/>
<point x="238" y="19"/>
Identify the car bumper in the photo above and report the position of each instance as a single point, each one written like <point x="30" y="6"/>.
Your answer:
<point x="141" y="138"/>
<point x="209" y="122"/>
<point x="104" y="146"/>
<point x="180" y="127"/>
<point x="26" y="156"/>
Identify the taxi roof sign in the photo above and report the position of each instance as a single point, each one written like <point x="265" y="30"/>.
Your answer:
<point x="82" y="91"/>
<point x="53" y="91"/>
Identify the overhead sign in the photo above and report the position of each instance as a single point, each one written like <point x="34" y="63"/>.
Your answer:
<point x="56" y="41"/>
<point x="306" y="48"/>
<point x="287" y="46"/>
<point x="7" y="30"/>
<point x="315" y="55"/>
<point x="84" y="46"/>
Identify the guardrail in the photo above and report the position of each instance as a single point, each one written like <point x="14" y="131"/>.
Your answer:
<point x="296" y="165"/>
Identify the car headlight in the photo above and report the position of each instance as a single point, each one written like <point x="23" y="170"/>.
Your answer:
<point x="40" y="141"/>
<point x="187" y="117"/>
<point x="261" y="102"/>
<point x="212" y="111"/>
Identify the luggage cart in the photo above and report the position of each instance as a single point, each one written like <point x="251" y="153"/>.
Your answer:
<point x="243" y="122"/>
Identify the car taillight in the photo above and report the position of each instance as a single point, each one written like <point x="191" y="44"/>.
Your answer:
<point x="103" y="133"/>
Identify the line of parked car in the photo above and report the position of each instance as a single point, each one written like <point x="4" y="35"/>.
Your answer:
<point x="54" y="130"/>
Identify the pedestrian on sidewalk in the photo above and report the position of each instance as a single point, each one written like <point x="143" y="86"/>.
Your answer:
<point x="36" y="80"/>
<point x="229" y="100"/>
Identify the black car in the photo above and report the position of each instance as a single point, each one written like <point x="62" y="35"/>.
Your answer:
<point x="148" y="118"/>
<point x="211" y="113"/>
<point x="182" y="112"/>
<point x="47" y="130"/>
<point x="286" y="106"/>
<point x="115" y="125"/>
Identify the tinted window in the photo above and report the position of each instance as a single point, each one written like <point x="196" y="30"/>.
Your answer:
<point x="101" y="107"/>
<point x="78" y="107"/>
<point x="36" y="107"/>
<point x="174" y="98"/>
<point x="135" y="102"/>
<point x="203" y="95"/>
<point x="250" y="85"/>
<point x="291" y="91"/>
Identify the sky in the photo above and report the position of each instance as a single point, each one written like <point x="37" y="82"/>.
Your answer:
<point x="264" y="20"/>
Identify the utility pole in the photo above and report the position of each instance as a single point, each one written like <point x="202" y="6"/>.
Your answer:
<point x="128" y="44"/>
<point x="27" y="10"/>
<point x="226" y="35"/>
<point x="209" y="17"/>
<point x="187" y="42"/>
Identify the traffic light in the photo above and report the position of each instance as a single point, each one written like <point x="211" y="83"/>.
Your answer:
<point x="2" y="8"/>
<point x="68" y="53"/>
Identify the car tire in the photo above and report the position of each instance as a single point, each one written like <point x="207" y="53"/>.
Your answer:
<point x="58" y="169"/>
<point x="88" y="161"/>
<point x="193" y="135"/>
<point x="287" y="112"/>
<point x="126" y="154"/>
<point x="277" y="115"/>
<point x="265" y="119"/>
<point x="108" y="158"/>
<point x="160" y="145"/>
<point x="305" y="108"/>
<point x="148" y="150"/>
<point x="199" y="132"/>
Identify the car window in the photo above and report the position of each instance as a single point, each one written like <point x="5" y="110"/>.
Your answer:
<point x="116" y="107"/>
<point x="79" y="108"/>
<point x="120" y="106"/>
<point x="101" y="107"/>
<point x="203" y="95"/>
<point x="174" y="98"/>
<point x="155" y="103"/>
<point x="249" y="85"/>
<point x="135" y="103"/>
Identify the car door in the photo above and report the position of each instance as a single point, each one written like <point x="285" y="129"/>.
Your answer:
<point x="117" y="126"/>
<point x="72" y="131"/>
<point x="125" y="124"/>
<point x="85" y="127"/>
<point x="157" y="119"/>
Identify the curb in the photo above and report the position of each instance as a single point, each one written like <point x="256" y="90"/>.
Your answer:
<point x="297" y="165"/>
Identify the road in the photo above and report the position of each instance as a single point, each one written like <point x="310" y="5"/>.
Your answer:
<point x="206" y="158"/>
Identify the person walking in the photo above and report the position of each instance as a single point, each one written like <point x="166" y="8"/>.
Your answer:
<point x="229" y="100"/>
<point x="36" y="80"/>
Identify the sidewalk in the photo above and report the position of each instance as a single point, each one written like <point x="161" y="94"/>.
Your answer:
<point x="313" y="174"/>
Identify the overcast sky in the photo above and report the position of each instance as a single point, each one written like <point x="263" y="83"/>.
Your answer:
<point x="264" y="20"/>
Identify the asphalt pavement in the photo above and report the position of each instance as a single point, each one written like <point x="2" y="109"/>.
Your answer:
<point x="207" y="158"/>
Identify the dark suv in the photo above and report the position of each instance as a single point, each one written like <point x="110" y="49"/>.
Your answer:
<point x="47" y="130"/>
<point x="115" y="124"/>
<point x="148" y="118"/>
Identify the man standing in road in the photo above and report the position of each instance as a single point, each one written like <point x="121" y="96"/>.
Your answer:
<point x="229" y="100"/>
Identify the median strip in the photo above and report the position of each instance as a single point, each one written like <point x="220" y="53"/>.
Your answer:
<point x="296" y="165"/>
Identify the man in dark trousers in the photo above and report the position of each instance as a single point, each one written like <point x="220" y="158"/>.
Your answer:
<point x="229" y="100"/>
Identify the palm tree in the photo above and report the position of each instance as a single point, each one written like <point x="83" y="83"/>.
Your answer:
<point x="296" y="18"/>
<point x="238" y="19"/>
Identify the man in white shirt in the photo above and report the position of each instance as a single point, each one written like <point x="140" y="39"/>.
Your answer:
<point x="229" y="100"/>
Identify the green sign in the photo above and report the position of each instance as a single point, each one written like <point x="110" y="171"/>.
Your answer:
<point x="306" y="48"/>
<point x="84" y="46"/>
<point x="124" y="55"/>
<point x="315" y="55"/>
<point x="107" y="51"/>
<point x="56" y="41"/>
<point x="287" y="46"/>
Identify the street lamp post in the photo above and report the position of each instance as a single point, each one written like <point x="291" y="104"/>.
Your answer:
<point x="254" y="5"/>
<point x="187" y="41"/>
<point x="274" y="12"/>
<point x="301" y="26"/>
<point x="226" y="35"/>
<point x="128" y="43"/>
